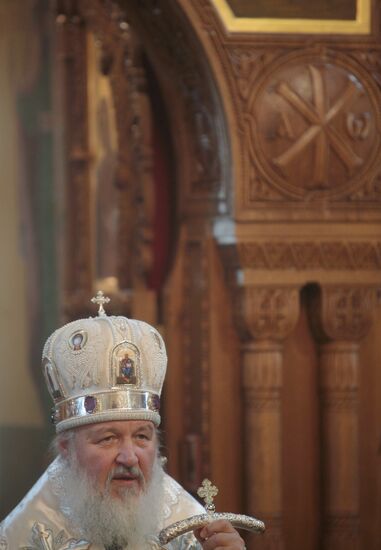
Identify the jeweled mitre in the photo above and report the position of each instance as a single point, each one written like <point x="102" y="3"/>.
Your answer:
<point x="104" y="368"/>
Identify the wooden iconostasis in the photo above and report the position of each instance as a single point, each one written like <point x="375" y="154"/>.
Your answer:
<point x="223" y="182"/>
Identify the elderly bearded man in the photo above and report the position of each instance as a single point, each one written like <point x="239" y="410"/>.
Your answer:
<point x="107" y="488"/>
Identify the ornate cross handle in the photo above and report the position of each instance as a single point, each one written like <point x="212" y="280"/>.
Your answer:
<point x="207" y="491"/>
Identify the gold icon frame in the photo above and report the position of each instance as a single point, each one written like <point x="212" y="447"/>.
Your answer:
<point x="360" y="25"/>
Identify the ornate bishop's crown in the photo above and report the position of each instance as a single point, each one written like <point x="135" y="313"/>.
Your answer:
<point x="104" y="368"/>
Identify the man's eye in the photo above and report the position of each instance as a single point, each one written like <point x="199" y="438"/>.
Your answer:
<point x="107" y="439"/>
<point x="142" y="436"/>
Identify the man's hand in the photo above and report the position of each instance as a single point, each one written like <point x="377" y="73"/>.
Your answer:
<point x="219" y="534"/>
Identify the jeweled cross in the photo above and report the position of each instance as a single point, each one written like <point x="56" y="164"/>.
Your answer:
<point x="207" y="492"/>
<point x="100" y="299"/>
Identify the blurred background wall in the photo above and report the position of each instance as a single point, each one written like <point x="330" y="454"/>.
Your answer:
<point x="27" y="273"/>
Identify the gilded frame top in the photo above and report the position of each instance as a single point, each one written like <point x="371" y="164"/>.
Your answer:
<point x="360" y="25"/>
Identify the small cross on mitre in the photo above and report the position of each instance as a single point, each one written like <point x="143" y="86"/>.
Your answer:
<point x="207" y="492"/>
<point x="100" y="299"/>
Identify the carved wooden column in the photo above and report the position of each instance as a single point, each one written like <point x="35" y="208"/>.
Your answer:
<point x="344" y="318"/>
<point x="269" y="314"/>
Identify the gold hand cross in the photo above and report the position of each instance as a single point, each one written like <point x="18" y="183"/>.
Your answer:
<point x="207" y="492"/>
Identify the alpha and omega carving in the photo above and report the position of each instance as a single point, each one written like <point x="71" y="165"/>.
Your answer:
<point x="313" y="127"/>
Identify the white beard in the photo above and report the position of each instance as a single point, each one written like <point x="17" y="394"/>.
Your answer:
<point x="103" y="519"/>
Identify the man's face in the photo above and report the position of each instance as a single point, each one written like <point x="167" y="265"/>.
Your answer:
<point x="119" y="454"/>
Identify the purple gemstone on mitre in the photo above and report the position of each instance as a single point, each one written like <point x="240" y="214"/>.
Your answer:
<point x="90" y="403"/>
<point x="155" y="402"/>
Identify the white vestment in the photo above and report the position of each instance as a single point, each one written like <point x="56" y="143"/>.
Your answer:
<point x="37" y="523"/>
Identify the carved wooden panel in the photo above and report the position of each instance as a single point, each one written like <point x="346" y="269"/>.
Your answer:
<point x="276" y="84"/>
<point x="269" y="315"/>
<point x="345" y="316"/>
<point x="72" y="50"/>
<point x="193" y="103"/>
<point x="314" y="127"/>
<point x="344" y="312"/>
<point x="124" y="192"/>
<point x="202" y="392"/>
<point x="313" y="254"/>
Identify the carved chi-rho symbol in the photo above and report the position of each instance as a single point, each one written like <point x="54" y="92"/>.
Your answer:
<point x="100" y="299"/>
<point x="207" y="492"/>
<point x="321" y="130"/>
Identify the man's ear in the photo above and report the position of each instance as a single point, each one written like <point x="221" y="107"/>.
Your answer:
<point x="63" y="444"/>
